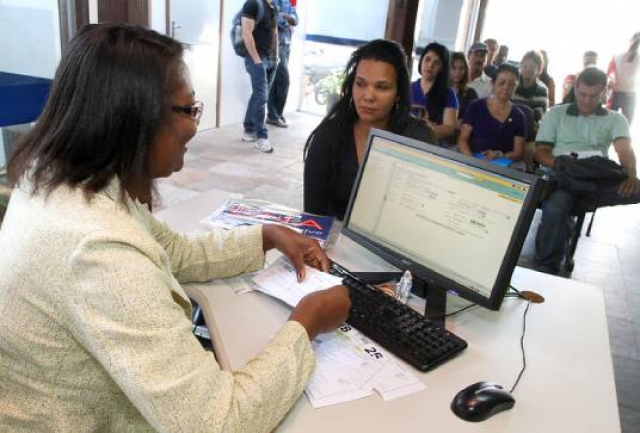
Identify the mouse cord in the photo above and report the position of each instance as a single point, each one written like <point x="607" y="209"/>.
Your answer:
<point x="524" y="358"/>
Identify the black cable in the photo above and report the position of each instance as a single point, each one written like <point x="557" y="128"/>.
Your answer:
<point x="524" y="358"/>
<point x="518" y="293"/>
<point x="468" y="307"/>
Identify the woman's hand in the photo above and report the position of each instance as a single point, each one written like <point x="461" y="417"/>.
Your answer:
<point x="299" y="249"/>
<point x="323" y="311"/>
<point x="490" y="155"/>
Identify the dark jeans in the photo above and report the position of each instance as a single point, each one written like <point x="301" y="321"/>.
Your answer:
<point x="280" y="87"/>
<point x="625" y="101"/>
<point x="557" y="222"/>
<point x="261" y="77"/>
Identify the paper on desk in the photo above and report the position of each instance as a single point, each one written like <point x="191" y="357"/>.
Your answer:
<point x="349" y="366"/>
<point x="393" y="381"/>
<point x="279" y="280"/>
<point x="242" y="284"/>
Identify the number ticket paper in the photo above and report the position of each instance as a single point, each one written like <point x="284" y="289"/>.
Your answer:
<point x="349" y="366"/>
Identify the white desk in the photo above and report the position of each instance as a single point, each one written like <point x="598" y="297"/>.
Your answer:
<point x="568" y="385"/>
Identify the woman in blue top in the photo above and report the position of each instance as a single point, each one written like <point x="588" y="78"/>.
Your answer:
<point x="431" y="96"/>
<point x="494" y="126"/>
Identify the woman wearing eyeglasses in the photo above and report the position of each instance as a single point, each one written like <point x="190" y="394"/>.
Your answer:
<point x="96" y="331"/>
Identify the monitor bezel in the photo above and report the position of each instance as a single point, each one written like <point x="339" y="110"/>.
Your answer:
<point x="502" y="282"/>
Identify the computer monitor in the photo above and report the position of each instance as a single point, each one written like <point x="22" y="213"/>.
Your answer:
<point x="456" y="222"/>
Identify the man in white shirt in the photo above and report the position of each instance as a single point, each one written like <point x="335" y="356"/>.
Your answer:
<point x="479" y="81"/>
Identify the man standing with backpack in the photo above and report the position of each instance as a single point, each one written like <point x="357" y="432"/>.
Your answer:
<point x="287" y="18"/>
<point x="260" y="36"/>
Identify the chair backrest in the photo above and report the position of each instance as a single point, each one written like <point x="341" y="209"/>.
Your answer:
<point x="530" y="138"/>
<point x="530" y="120"/>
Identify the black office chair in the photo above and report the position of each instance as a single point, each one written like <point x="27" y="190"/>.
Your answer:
<point x="583" y="207"/>
<point x="579" y="215"/>
<point x="199" y="327"/>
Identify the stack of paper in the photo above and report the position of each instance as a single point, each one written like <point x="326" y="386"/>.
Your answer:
<point x="349" y="366"/>
<point x="279" y="280"/>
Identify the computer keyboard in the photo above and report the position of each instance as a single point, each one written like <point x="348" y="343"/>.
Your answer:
<point x="397" y="327"/>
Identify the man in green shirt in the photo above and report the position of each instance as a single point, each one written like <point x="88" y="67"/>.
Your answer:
<point x="583" y="127"/>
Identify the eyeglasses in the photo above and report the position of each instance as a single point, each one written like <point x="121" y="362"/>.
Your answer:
<point x="194" y="111"/>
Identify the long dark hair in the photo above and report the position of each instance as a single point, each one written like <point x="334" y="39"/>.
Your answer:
<point x="459" y="56"/>
<point x="108" y="99"/>
<point x="440" y="86"/>
<point x="343" y="114"/>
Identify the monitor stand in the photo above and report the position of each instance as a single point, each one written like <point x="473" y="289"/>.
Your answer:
<point x="435" y="300"/>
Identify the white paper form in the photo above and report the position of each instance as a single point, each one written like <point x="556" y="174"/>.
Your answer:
<point x="349" y="366"/>
<point x="393" y="381"/>
<point x="279" y="280"/>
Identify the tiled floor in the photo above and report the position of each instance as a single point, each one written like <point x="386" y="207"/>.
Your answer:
<point x="608" y="259"/>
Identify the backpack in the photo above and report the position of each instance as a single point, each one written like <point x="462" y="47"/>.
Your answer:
<point x="587" y="175"/>
<point x="236" y="30"/>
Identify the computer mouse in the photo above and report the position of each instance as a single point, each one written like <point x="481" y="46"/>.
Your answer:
<point x="481" y="401"/>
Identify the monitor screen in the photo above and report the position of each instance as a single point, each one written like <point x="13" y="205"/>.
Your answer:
<point x="454" y="221"/>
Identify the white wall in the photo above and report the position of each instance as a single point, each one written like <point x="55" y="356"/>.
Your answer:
<point x="30" y="41"/>
<point x="197" y="25"/>
<point x="340" y="18"/>
<point x="199" y="22"/>
<point x="158" y="16"/>
<point x="440" y="22"/>
<point x="235" y="89"/>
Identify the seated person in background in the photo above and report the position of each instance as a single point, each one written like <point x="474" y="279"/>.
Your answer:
<point x="548" y="79"/>
<point x="493" y="47"/>
<point x="531" y="91"/>
<point x="479" y="81"/>
<point x="459" y="81"/>
<point x="589" y="60"/>
<point x="96" y="328"/>
<point x="375" y="94"/>
<point x="584" y="125"/>
<point x="432" y="99"/>
<point x="501" y="56"/>
<point x="494" y="126"/>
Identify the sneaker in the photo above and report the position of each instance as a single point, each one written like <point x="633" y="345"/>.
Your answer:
<point x="263" y="145"/>
<point x="249" y="137"/>
<point x="277" y="122"/>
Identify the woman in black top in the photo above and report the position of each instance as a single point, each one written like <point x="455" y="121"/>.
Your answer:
<point x="459" y="81"/>
<point x="375" y="94"/>
<point x="464" y="93"/>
